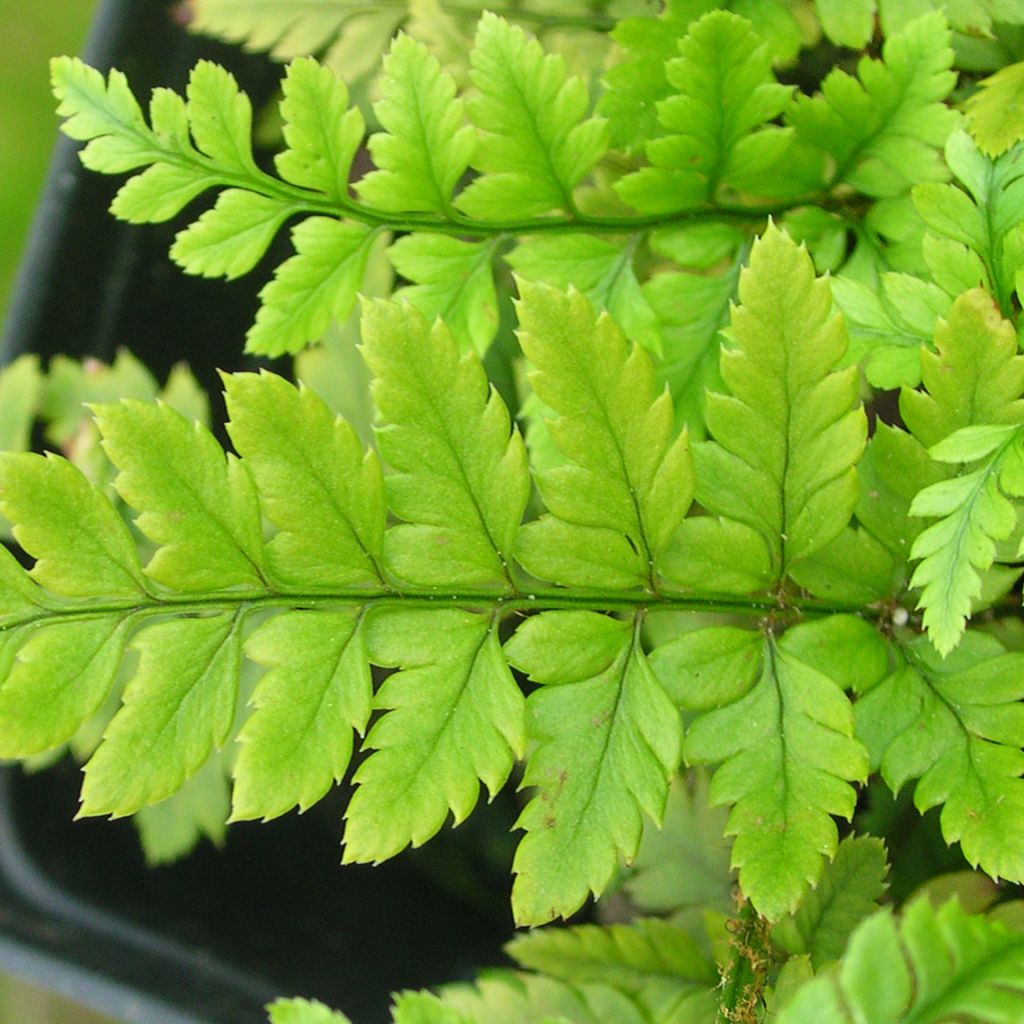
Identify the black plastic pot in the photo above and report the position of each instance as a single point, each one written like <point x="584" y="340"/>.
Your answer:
<point x="213" y="938"/>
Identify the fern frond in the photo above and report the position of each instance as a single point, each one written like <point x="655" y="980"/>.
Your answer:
<point x="849" y="891"/>
<point x="462" y="481"/>
<point x="927" y="967"/>
<point x="609" y="742"/>
<point x="724" y="94"/>
<point x="784" y="732"/>
<point x="956" y="725"/>
<point x="454" y="717"/>
<point x="656" y="962"/>
<point x="882" y="130"/>
<point x="628" y="482"/>
<point x="972" y="235"/>
<point x="507" y="998"/>
<point x="426" y="146"/>
<point x="994" y="114"/>
<point x="536" y="143"/>
<point x="793" y="491"/>
<point x="303" y="1011"/>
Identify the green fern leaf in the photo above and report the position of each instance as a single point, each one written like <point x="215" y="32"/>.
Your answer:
<point x="202" y="509"/>
<point x="691" y="310"/>
<point x="628" y="482"/>
<point x="316" y="484"/>
<point x="974" y="512"/>
<point x="454" y="280"/>
<point x="995" y="113"/>
<point x="956" y="724"/>
<point x="635" y="85"/>
<point x="506" y="998"/>
<point x="81" y="545"/>
<point x="602" y="270"/>
<point x="535" y="145"/>
<point x="59" y="677"/>
<point x="454" y="719"/>
<point x="656" y="962"/>
<point x="462" y="480"/>
<point x="974" y="377"/>
<point x="725" y="92"/>
<point x="315" y="286"/>
<point x="847" y="22"/>
<point x="220" y="118"/>
<point x="847" y="893"/>
<point x="784" y="730"/>
<point x="888" y="325"/>
<point x="298" y="739"/>
<point x="303" y="1011"/>
<point x="793" y="492"/>
<point x="608" y="743"/>
<point x="321" y="132"/>
<point x="427" y="145"/>
<point x="178" y="707"/>
<point x="172" y="828"/>
<point x="682" y="868"/>
<point x="230" y="239"/>
<point x="972" y="233"/>
<point x="930" y="967"/>
<point x="882" y="129"/>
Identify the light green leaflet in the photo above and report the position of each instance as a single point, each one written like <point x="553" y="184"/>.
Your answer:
<point x="201" y="508"/>
<point x="974" y="236"/>
<point x="883" y="128"/>
<point x="318" y="486"/>
<point x="628" y="481"/>
<point x="521" y="999"/>
<point x="784" y="497"/>
<point x="462" y="480"/>
<point x="303" y="1011"/>
<point x="454" y="718"/>
<point x="848" y="892"/>
<point x="725" y="92"/>
<point x="995" y="113"/>
<point x="929" y="967"/>
<point x="782" y="730"/>
<point x="657" y="963"/>
<point x="608" y="742"/>
<point x="427" y="145"/>
<point x="968" y="413"/>
<point x="317" y="690"/>
<point x="536" y="143"/>
<point x="178" y="707"/>
<point x="955" y="724"/>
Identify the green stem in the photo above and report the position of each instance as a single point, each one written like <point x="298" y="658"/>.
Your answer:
<point x="741" y="990"/>
<point x="505" y="602"/>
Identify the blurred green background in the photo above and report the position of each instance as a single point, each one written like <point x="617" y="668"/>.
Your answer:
<point x="32" y="33"/>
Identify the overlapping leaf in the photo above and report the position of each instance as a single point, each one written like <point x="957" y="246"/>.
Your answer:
<point x="454" y="718"/>
<point x="782" y="499"/>
<point x="973" y="236"/>
<point x="931" y="966"/>
<point x="462" y="480"/>
<point x="725" y="92"/>
<point x="536" y="142"/>
<point x="783" y="730"/>
<point x="608" y="742"/>
<point x="628" y="482"/>
<point x="968" y="415"/>
<point x="995" y="114"/>
<point x="882" y="130"/>
<point x="654" y="961"/>
<point x="956" y="725"/>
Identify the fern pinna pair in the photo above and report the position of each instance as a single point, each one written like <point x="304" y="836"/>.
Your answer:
<point x="777" y="592"/>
